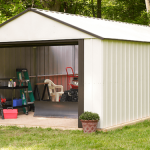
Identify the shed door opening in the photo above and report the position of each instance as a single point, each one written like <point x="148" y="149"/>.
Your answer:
<point x="54" y="62"/>
<point x="42" y="62"/>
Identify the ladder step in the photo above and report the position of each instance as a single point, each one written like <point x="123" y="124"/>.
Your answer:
<point x="30" y="102"/>
<point x="25" y="80"/>
<point x="28" y="91"/>
<point x="21" y="70"/>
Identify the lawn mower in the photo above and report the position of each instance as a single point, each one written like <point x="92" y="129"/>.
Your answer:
<point x="72" y="93"/>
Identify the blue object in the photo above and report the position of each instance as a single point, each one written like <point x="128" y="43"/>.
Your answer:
<point x="17" y="102"/>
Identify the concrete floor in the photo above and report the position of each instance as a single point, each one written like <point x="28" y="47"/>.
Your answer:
<point x="31" y="121"/>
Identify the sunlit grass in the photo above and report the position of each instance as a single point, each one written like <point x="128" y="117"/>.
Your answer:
<point x="129" y="137"/>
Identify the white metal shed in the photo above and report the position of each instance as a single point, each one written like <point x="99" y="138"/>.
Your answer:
<point x="116" y="59"/>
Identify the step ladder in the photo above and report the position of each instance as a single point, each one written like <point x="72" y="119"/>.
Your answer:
<point x="20" y="73"/>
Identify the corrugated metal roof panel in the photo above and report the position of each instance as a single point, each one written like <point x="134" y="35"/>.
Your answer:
<point x="103" y="28"/>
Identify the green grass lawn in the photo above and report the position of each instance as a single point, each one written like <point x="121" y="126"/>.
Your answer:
<point x="130" y="137"/>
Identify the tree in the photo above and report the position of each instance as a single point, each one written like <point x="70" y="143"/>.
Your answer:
<point x="132" y="11"/>
<point x="98" y="8"/>
<point x="147" y="2"/>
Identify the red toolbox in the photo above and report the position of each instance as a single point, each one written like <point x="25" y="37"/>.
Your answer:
<point x="10" y="113"/>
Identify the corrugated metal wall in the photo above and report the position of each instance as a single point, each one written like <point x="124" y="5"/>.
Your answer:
<point x="93" y="77"/>
<point x="52" y="61"/>
<point x="126" y="81"/>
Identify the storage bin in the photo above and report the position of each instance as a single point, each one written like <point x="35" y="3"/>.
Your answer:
<point x="10" y="113"/>
<point x="17" y="102"/>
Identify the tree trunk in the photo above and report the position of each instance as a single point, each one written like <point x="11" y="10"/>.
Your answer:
<point x="98" y="8"/>
<point x="93" y="9"/>
<point x="147" y="2"/>
<point x="53" y="5"/>
<point x="56" y="6"/>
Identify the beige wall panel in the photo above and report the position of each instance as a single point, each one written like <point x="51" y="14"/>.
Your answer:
<point x="105" y="74"/>
<point x="147" y="78"/>
<point x="148" y="82"/>
<point x="135" y="107"/>
<point x="119" y="78"/>
<point x="139" y="80"/>
<point x="131" y="82"/>
<point x="113" y="84"/>
<point x="144" y="79"/>
<point x="97" y="78"/>
<point x="126" y="81"/>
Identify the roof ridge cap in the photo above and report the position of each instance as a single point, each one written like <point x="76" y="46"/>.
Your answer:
<point x="90" y="17"/>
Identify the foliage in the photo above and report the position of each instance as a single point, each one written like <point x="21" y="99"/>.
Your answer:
<point x="132" y="11"/>
<point x="89" y="116"/>
<point x="129" y="137"/>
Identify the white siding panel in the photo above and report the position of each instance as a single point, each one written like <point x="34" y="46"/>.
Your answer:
<point x="88" y="76"/>
<point x="126" y="81"/>
<point x="93" y="79"/>
<point x="97" y="78"/>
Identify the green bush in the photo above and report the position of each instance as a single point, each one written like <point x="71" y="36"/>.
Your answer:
<point x="89" y="116"/>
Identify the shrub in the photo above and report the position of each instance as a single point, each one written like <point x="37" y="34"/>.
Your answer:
<point x="89" y="116"/>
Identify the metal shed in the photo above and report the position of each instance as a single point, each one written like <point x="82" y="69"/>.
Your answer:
<point x="113" y="57"/>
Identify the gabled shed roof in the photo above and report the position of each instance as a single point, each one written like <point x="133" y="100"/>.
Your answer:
<point x="99" y="28"/>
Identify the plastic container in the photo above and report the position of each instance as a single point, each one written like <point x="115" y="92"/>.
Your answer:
<point x="17" y="102"/>
<point x="10" y="113"/>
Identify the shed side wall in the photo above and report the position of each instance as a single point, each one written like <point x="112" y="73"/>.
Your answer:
<point x="93" y="77"/>
<point x="126" y="81"/>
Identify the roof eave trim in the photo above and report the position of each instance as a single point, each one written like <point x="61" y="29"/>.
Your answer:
<point x="9" y="20"/>
<point x="126" y="40"/>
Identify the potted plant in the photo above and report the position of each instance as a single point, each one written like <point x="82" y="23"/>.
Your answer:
<point x="89" y="121"/>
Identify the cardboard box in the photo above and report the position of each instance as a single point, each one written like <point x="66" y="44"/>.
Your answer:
<point x="10" y="113"/>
